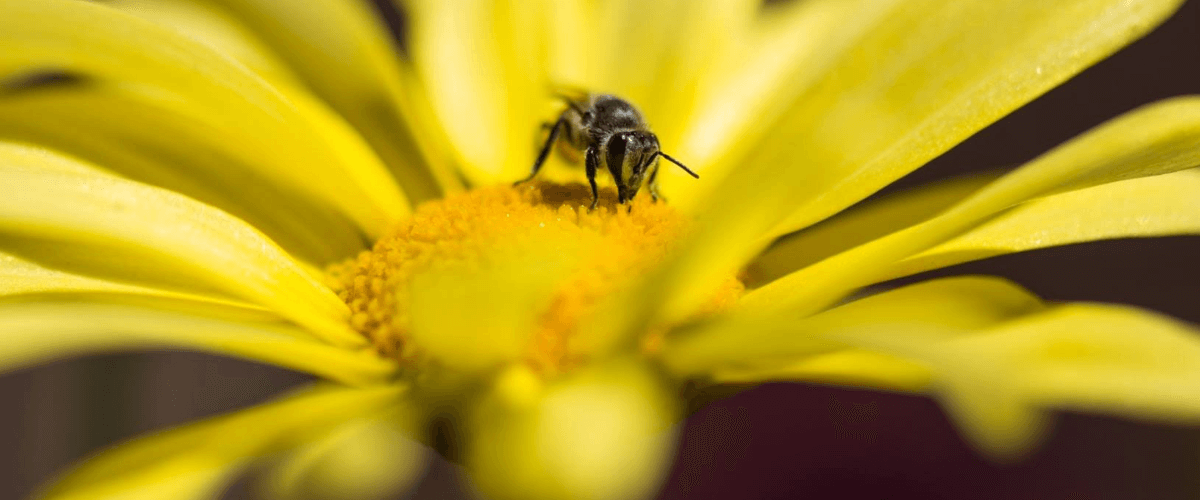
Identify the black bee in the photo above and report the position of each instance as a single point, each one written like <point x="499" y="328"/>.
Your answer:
<point x="613" y="135"/>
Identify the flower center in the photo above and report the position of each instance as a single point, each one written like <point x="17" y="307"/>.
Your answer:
<point x="594" y="254"/>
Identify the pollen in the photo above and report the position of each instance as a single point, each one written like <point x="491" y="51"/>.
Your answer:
<point x="610" y="247"/>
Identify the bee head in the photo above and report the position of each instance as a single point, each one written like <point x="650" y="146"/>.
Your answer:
<point x="630" y="156"/>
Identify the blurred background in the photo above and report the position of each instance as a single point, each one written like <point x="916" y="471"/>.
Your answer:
<point x="777" y="440"/>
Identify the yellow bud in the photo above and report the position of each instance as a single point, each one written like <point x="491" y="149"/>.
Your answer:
<point x="603" y="433"/>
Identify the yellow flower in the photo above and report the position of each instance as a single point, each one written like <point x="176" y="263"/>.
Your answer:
<point x="239" y="177"/>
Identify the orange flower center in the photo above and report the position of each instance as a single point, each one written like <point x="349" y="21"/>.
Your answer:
<point x="585" y="256"/>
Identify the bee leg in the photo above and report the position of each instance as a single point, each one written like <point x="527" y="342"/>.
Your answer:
<point x="592" y="163"/>
<point x="653" y="185"/>
<point x="624" y="198"/>
<point x="541" y="159"/>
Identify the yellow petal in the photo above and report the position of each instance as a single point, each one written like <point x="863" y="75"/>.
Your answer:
<point x="145" y="234"/>
<point x="746" y="88"/>
<point x="990" y="411"/>
<point x="31" y="157"/>
<point x="359" y="164"/>
<point x="107" y="125"/>
<point x="1095" y="357"/>
<point x="214" y="26"/>
<point x="997" y="382"/>
<point x="603" y="433"/>
<point x="46" y="327"/>
<point x="901" y="95"/>
<point x="960" y="303"/>
<point x="917" y="86"/>
<point x="482" y="69"/>
<point x="19" y="276"/>
<point x="995" y="418"/>
<point x="849" y="367"/>
<point x="674" y="41"/>
<point x="1114" y="359"/>
<point x="861" y="224"/>
<point x="1153" y="206"/>
<point x="365" y="459"/>
<point x="196" y="461"/>
<point x="101" y="42"/>
<point x="571" y="60"/>
<point x="693" y="39"/>
<point x="345" y="54"/>
<point x="621" y="25"/>
<point x="1152" y="140"/>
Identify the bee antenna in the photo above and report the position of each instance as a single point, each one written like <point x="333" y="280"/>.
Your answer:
<point x="672" y="160"/>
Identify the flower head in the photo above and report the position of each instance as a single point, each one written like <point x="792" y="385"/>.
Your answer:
<point x="275" y="182"/>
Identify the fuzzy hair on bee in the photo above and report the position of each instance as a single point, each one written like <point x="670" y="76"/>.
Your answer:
<point x="613" y="136"/>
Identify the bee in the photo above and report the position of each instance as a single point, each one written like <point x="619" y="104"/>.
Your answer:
<point x="612" y="135"/>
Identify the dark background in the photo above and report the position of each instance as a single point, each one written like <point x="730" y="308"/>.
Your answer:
<point x="777" y="440"/>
